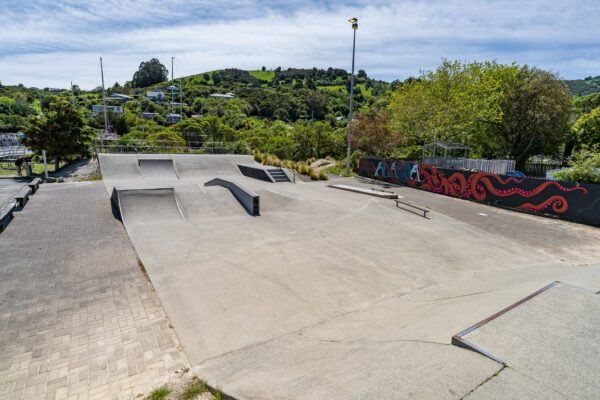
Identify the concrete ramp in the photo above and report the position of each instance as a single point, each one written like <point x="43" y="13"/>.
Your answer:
<point x="119" y="166"/>
<point x="550" y="337"/>
<point x="203" y="165"/>
<point x="146" y="206"/>
<point x="157" y="168"/>
<point x="205" y="205"/>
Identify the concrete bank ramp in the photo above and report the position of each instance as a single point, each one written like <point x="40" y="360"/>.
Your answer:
<point x="247" y="198"/>
<point x="213" y="165"/>
<point x="202" y="205"/>
<point x="550" y="343"/>
<point x="148" y="166"/>
<point x="157" y="168"/>
<point x="119" y="166"/>
<point x="146" y="206"/>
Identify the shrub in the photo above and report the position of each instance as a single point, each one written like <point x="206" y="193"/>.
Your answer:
<point x="586" y="168"/>
<point x="314" y="174"/>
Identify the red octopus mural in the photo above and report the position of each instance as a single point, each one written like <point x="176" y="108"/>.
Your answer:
<point x="565" y="199"/>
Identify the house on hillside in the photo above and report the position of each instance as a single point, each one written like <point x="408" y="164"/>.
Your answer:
<point x="149" y="115"/>
<point x="226" y="96"/>
<point x="173" y="118"/>
<point x="155" y="95"/>
<point x="121" y="98"/>
<point x="99" y="108"/>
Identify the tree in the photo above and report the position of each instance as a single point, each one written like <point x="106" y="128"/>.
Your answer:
<point x="438" y="106"/>
<point x="316" y="102"/>
<point x="60" y="131"/>
<point x="373" y="135"/>
<point x="317" y="139"/>
<point x="150" y="73"/>
<point x="585" y="168"/>
<point x="534" y="110"/>
<point x="498" y="110"/>
<point x="587" y="128"/>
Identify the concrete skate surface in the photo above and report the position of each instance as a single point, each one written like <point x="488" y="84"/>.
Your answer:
<point x="334" y="294"/>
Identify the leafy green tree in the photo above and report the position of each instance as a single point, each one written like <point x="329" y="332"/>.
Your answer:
<point x="12" y="123"/>
<point x="587" y="128"/>
<point x="281" y="146"/>
<point x="316" y="140"/>
<point x="204" y="129"/>
<point x="316" y="102"/>
<point x="498" y="110"/>
<point x="535" y="111"/>
<point x="117" y="122"/>
<point x="166" y="137"/>
<point x="438" y="106"/>
<point x="61" y="131"/>
<point x="149" y="73"/>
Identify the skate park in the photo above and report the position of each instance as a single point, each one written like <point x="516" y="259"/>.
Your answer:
<point x="326" y="293"/>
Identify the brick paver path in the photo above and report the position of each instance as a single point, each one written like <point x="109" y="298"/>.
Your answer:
<point x="78" y="318"/>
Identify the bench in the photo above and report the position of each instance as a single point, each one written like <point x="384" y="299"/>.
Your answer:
<point x="23" y="196"/>
<point x="6" y="214"/>
<point x="412" y="208"/>
<point x="34" y="184"/>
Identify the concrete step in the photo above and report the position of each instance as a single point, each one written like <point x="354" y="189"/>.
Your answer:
<point x="278" y="175"/>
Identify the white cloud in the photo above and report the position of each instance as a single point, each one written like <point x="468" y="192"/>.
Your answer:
<point x="56" y="44"/>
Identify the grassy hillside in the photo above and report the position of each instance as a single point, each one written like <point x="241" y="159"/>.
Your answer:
<point x="263" y="75"/>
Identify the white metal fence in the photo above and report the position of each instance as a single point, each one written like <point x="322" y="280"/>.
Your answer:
<point x="11" y="153"/>
<point x="472" y="164"/>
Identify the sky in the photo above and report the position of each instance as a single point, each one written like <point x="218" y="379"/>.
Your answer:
<point x="49" y="43"/>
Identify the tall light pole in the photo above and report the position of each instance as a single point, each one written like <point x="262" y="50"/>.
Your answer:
<point x="104" y="101"/>
<point x="354" y="22"/>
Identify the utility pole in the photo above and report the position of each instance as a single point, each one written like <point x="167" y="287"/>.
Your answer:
<point x="104" y="101"/>
<point x="72" y="94"/>
<point x="354" y="22"/>
<point x="172" y="93"/>
<point x="180" y="98"/>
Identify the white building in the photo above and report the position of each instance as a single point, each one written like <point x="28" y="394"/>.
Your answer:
<point x="99" y="108"/>
<point x="155" y="95"/>
<point x="120" y="97"/>
<point x="174" y="118"/>
<point x="149" y="115"/>
<point x="226" y="96"/>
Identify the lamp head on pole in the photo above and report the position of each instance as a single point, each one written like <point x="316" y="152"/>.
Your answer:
<point x="354" y="22"/>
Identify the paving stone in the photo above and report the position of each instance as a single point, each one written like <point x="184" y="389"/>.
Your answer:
<point x="78" y="318"/>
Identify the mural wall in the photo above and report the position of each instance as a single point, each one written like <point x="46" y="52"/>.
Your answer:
<point x="566" y="200"/>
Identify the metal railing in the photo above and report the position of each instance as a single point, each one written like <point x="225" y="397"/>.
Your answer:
<point x="12" y="153"/>
<point x="539" y="169"/>
<point x="472" y="164"/>
<point x="166" y="147"/>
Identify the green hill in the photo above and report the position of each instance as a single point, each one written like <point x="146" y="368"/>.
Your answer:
<point x="582" y="87"/>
